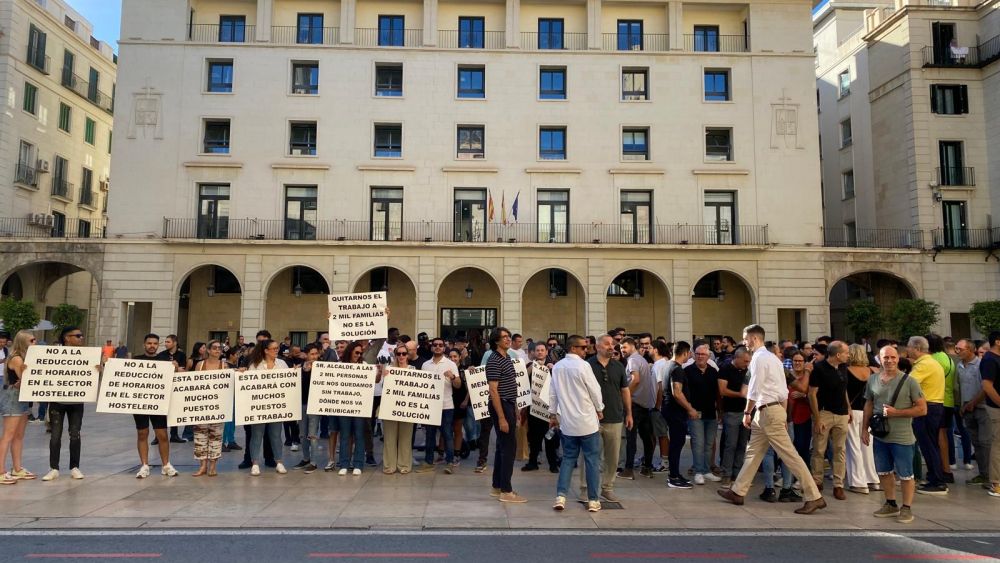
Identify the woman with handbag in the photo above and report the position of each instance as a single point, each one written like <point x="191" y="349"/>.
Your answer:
<point x="861" y="474"/>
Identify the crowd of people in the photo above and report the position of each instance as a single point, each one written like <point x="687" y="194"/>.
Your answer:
<point x="868" y="419"/>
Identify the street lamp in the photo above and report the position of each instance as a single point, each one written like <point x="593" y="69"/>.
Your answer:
<point x="553" y="292"/>
<point x="211" y="284"/>
<point x="468" y="291"/>
<point x="297" y="290"/>
<point x="721" y="295"/>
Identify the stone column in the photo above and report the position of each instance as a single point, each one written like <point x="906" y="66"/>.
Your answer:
<point x="510" y="295"/>
<point x="513" y="28"/>
<point x="430" y="25"/>
<point x="597" y="298"/>
<point x="682" y="313"/>
<point x="265" y="17"/>
<point x="348" y="21"/>
<point x="594" y="37"/>
<point x="675" y="25"/>
<point x="252" y="316"/>
<point x="427" y="307"/>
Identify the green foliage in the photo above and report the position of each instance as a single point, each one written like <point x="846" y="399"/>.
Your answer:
<point x="67" y="315"/>
<point x="912" y="317"/>
<point x="18" y="315"/>
<point x="985" y="316"/>
<point x="864" y="318"/>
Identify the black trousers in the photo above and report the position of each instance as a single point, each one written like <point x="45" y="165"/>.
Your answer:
<point x="643" y="427"/>
<point x="537" y="428"/>
<point x="677" y="423"/>
<point x="74" y="413"/>
<point x="485" y="428"/>
<point x="503" y="459"/>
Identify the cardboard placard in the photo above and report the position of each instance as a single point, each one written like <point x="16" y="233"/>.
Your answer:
<point x="358" y="316"/>
<point x="268" y="395"/>
<point x="340" y="389"/>
<point x="61" y="374"/>
<point x="479" y="391"/>
<point x="136" y="387"/>
<point x="540" y="392"/>
<point x="201" y="397"/>
<point x="523" y="384"/>
<point x="411" y="395"/>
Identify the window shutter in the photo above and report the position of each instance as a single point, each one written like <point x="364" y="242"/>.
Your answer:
<point x="934" y="104"/>
<point x="963" y="99"/>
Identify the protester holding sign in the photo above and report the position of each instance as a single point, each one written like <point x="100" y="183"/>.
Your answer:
<point x="352" y="426"/>
<point x="459" y="398"/>
<point x="60" y="412"/>
<point x="208" y="437"/>
<point x="265" y="356"/>
<point x="538" y="427"/>
<point x="310" y="422"/>
<point x="150" y="344"/>
<point x="448" y="379"/>
<point x="397" y="449"/>
<point x="14" y="412"/>
<point x="358" y="316"/>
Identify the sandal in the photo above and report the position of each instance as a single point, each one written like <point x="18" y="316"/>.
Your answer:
<point x="388" y="471"/>
<point x="198" y="473"/>
<point x="8" y="479"/>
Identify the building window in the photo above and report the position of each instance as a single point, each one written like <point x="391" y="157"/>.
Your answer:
<point x="302" y="139"/>
<point x="89" y="131"/>
<point x="636" y="217"/>
<point x="30" y="98"/>
<point x="213" y="211"/>
<point x="391" y="31"/>
<point x="720" y="217"/>
<point x="65" y="117"/>
<point x="635" y="143"/>
<point x="59" y="224"/>
<point x="389" y="140"/>
<point x="851" y="233"/>
<point x="471" y="32"/>
<point x="629" y="284"/>
<point x="470" y="215"/>
<point x="92" y="85"/>
<point x="471" y="142"/>
<point x="955" y="232"/>
<point x="389" y="80"/>
<point x="635" y="84"/>
<point x="60" y="171"/>
<point x="232" y="29"/>
<point x="378" y="280"/>
<point x="216" y="136"/>
<point x="110" y="138"/>
<point x="26" y="173"/>
<point x="310" y="29"/>
<point x="298" y="338"/>
<point x="305" y="78"/>
<point x="844" y="83"/>
<point x="558" y="284"/>
<point x="952" y="159"/>
<point x="553" y="216"/>
<point x="552" y="143"/>
<point x="719" y="144"/>
<point x="845" y="132"/>
<point x="949" y="99"/>
<point x="708" y="286"/>
<point x="220" y="76"/>
<point x="471" y="82"/>
<point x="717" y="86"/>
<point x="69" y="63"/>
<point x="87" y="187"/>
<point x="36" y="48"/>
<point x="629" y="35"/>
<point x="552" y="83"/>
<point x="300" y="212"/>
<point x="847" y="179"/>
<point x="550" y="33"/>
<point x="83" y="228"/>
<point x="706" y="38"/>
<point x="387" y="214"/>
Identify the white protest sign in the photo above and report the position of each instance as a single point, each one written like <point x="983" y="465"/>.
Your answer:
<point x="201" y="397"/>
<point x="136" y="387"/>
<point x="358" y="316"/>
<point x="479" y="391"/>
<point x="539" y="392"/>
<point x="340" y="389"/>
<point x="61" y="374"/>
<point x="268" y="395"/>
<point x="523" y="384"/>
<point x="411" y="395"/>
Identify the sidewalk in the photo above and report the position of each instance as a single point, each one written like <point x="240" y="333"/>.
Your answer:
<point x="111" y="497"/>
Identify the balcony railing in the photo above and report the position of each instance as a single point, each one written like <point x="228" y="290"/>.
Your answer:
<point x="39" y="60"/>
<point x="19" y="227"/>
<point x="656" y="42"/>
<point x="874" y="238"/>
<point x="373" y="37"/>
<point x="292" y="35"/>
<point x="86" y="196"/>
<point x="454" y="39"/>
<point x="86" y="90"/>
<point x="974" y="56"/>
<point x="967" y="239"/>
<point x="532" y="40"/>
<point x="716" y="43"/>
<point x="62" y="188"/>
<point x="956" y="176"/>
<point x="26" y="175"/>
<point x="215" y="33"/>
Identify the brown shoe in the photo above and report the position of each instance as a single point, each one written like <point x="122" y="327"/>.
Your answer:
<point x="838" y="493"/>
<point x="819" y="484"/>
<point x="732" y="497"/>
<point x="811" y="506"/>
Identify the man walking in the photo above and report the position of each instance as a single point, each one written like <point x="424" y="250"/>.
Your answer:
<point x="930" y="375"/>
<point x="973" y="409"/>
<point x="733" y="378"/>
<point x="610" y="376"/>
<point x="765" y="415"/>
<point x="502" y="380"/>
<point x="643" y="391"/>
<point x="831" y="412"/>
<point x="576" y="407"/>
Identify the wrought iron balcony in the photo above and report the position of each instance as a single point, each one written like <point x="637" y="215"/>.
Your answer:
<point x="956" y="176"/>
<point x="454" y="39"/>
<point x="20" y="227"/>
<point x="532" y="40"/>
<point x="292" y="35"/>
<point x="655" y="42"/>
<point x="215" y="33"/>
<point x="38" y="59"/>
<point x="26" y="175"/>
<point x="966" y="239"/>
<point x="87" y="90"/>
<point x="874" y="238"/>
<point x="62" y="188"/>
<point x="374" y="37"/>
<point x="86" y="196"/>
<point x="716" y="43"/>
<point x="971" y="56"/>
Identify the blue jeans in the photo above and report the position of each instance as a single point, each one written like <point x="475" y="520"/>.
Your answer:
<point x="273" y="432"/>
<point x="735" y="443"/>
<point x="591" y="446"/>
<point x="471" y="426"/>
<point x="229" y="433"/>
<point x="925" y="428"/>
<point x="891" y="458"/>
<point x="351" y="426"/>
<point x="702" y="436"/>
<point x="447" y="430"/>
<point x="310" y="437"/>
<point x="786" y="473"/>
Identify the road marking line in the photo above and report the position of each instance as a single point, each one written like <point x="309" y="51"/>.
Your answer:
<point x="231" y="532"/>
<point x="934" y="556"/>
<point x="378" y="555"/>
<point x="695" y="555"/>
<point x="93" y="555"/>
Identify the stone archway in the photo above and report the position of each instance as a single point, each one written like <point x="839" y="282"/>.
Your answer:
<point x="721" y="305"/>
<point x="468" y="300"/>
<point x="882" y="288"/>
<point x="50" y="283"/>
<point x="296" y="304"/>
<point x="210" y="306"/>
<point x="553" y="301"/>
<point x="639" y="301"/>
<point x="401" y="295"/>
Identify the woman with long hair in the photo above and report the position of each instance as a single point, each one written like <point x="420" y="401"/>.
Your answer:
<point x="14" y="412"/>
<point x="208" y="437"/>
<point x="351" y="429"/>
<point x="198" y="353"/>
<point x="861" y="474"/>
<point x="460" y="396"/>
<point x="397" y="450"/>
<point x="265" y="356"/>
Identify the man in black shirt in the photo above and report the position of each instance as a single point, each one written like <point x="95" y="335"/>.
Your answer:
<point x="703" y="381"/>
<point x="831" y="413"/>
<point x="159" y="422"/>
<point x="502" y="379"/>
<point x="617" y="401"/>
<point x="678" y="411"/>
<point x="733" y="380"/>
<point x="172" y="353"/>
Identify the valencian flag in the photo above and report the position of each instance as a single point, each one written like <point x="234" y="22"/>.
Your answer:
<point x="489" y="208"/>
<point x="513" y="208"/>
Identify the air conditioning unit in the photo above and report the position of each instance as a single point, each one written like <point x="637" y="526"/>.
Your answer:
<point x="471" y="156"/>
<point x="33" y="218"/>
<point x="43" y="165"/>
<point x="49" y="220"/>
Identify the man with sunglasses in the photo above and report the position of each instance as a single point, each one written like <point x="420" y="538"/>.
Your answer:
<point x="502" y="380"/>
<point x="617" y="399"/>
<point x="70" y="336"/>
<point x="447" y="372"/>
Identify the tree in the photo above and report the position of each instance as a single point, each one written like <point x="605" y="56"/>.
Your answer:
<point x="864" y="318"/>
<point x="67" y="315"/>
<point x="912" y="317"/>
<point x="18" y="315"/>
<point x="985" y="316"/>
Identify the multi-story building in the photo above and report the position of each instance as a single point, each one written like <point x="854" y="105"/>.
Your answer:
<point x="55" y="140"/>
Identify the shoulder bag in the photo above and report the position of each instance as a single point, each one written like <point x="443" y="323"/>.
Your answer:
<point x="878" y="424"/>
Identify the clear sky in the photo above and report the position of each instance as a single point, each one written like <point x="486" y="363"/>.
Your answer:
<point x="106" y="15"/>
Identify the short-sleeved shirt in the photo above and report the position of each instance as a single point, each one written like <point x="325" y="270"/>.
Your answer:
<point x="831" y="387"/>
<point x="645" y="393"/>
<point x="930" y="376"/>
<point x="445" y="364"/>
<point x="989" y="369"/>
<point x="735" y="380"/>
<point x="948" y="365"/>
<point x="179" y="356"/>
<point x="499" y="368"/>
<point x="900" y="428"/>
<point x="704" y="390"/>
<point x="676" y="375"/>
<point x="612" y="380"/>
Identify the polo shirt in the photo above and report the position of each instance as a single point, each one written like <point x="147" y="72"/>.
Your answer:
<point x="611" y="379"/>
<point x="831" y="387"/>
<point x="928" y="373"/>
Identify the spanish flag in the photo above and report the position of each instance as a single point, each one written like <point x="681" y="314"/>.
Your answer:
<point x="489" y="208"/>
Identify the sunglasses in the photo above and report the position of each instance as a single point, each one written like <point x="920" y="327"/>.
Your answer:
<point x="438" y="345"/>
<point x="402" y="354"/>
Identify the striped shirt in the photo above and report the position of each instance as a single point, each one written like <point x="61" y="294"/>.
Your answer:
<point x="499" y="368"/>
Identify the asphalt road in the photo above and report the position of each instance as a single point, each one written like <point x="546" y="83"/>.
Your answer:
<point x="482" y="546"/>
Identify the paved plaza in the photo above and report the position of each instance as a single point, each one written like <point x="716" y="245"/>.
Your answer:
<point x="111" y="497"/>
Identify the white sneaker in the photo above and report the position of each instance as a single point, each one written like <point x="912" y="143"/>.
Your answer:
<point x="76" y="473"/>
<point x="952" y="466"/>
<point x="295" y="447"/>
<point x="343" y="471"/>
<point x="356" y="472"/>
<point x="699" y="479"/>
<point x="169" y="470"/>
<point x="255" y="470"/>
<point x="968" y="466"/>
<point x="593" y="506"/>
<point x="712" y="477"/>
<point x="143" y="472"/>
<point x="52" y="475"/>
<point x="281" y="469"/>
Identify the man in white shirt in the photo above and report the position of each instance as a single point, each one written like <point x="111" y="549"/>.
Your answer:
<point x="765" y="415"/>
<point x="576" y="408"/>
<point x="447" y="371"/>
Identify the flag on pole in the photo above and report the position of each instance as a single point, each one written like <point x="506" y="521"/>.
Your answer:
<point x="503" y="208"/>
<point x="513" y="207"/>
<point x="489" y="208"/>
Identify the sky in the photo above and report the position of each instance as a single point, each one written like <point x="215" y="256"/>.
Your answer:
<point x="106" y="15"/>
